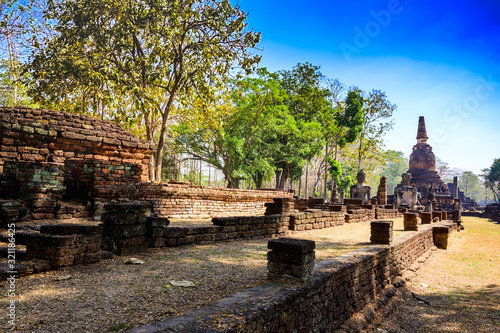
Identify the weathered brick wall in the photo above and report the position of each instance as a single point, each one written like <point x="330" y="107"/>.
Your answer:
<point x="359" y="215"/>
<point x="102" y="179"/>
<point x="315" y="219"/>
<point x="342" y="287"/>
<point x="100" y="160"/>
<point x="67" y="245"/>
<point x="49" y="136"/>
<point x="226" y="228"/>
<point x="384" y="213"/>
<point x="40" y="185"/>
<point x="185" y="201"/>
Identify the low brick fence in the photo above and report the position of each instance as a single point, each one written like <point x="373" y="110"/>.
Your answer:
<point x="186" y="201"/>
<point x="315" y="219"/>
<point x="359" y="215"/>
<point x="444" y="233"/>
<point x="67" y="244"/>
<point x="226" y="228"/>
<point x="342" y="287"/>
<point x="384" y="213"/>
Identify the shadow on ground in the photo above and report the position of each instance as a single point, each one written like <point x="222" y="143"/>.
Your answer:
<point x="463" y="310"/>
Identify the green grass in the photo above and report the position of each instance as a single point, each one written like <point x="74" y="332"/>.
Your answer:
<point x="475" y="225"/>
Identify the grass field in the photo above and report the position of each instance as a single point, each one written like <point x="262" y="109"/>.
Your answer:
<point x="462" y="285"/>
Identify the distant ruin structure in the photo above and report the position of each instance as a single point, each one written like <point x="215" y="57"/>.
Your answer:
<point x="466" y="202"/>
<point x="359" y="190"/>
<point x="422" y="168"/>
<point x="405" y="195"/>
<point x="382" y="191"/>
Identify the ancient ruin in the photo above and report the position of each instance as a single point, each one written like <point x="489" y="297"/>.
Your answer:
<point x="422" y="168"/>
<point x="77" y="190"/>
<point x="359" y="190"/>
<point x="405" y="195"/>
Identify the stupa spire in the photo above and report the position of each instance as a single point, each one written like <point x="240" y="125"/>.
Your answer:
<point x="421" y="133"/>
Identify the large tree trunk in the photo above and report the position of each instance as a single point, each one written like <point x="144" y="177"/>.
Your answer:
<point x="150" y="137"/>
<point x="259" y="180"/>
<point x="360" y="150"/>
<point x="306" y="190"/>
<point x="327" y="153"/>
<point x="231" y="183"/>
<point x="159" y="154"/>
<point x="281" y="177"/>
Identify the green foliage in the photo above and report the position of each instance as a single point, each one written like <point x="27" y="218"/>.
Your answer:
<point x="350" y="119"/>
<point x="18" y="26"/>
<point x="492" y="178"/>
<point x="140" y="56"/>
<point x="12" y="93"/>
<point x="377" y="111"/>
<point x="348" y="176"/>
<point x="238" y="142"/>
<point x="299" y="136"/>
<point x="335" y="169"/>
<point x="395" y="164"/>
<point x="469" y="183"/>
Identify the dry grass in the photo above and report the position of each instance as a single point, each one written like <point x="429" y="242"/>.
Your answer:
<point x="111" y="296"/>
<point x="462" y="285"/>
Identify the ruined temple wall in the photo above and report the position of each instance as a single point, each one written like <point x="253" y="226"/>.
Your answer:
<point x="29" y="135"/>
<point x="186" y="201"/>
<point x="345" y="286"/>
<point x="101" y="162"/>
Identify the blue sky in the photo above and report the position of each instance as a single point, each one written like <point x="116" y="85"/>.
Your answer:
<point x="438" y="59"/>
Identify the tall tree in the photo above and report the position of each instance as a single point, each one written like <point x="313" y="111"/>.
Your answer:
<point x="341" y="126"/>
<point x="150" y="52"/>
<point x="235" y="137"/>
<point x="395" y="164"/>
<point x="349" y="120"/>
<point x="491" y="177"/>
<point x="469" y="183"/>
<point x="299" y="139"/>
<point x="377" y="111"/>
<point x="21" y="26"/>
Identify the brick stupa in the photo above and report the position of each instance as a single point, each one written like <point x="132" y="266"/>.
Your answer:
<point x="423" y="168"/>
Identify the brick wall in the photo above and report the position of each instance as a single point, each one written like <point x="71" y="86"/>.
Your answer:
<point x="359" y="215"/>
<point x="40" y="185"/>
<point x="102" y="179"/>
<point x="226" y="228"/>
<point x="315" y="219"/>
<point x="100" y="160"/>
<point x="384" y="213"/>
<point x="185" y="201"/>
<point x="49" y="136"/>
<point x="67" y="245"/>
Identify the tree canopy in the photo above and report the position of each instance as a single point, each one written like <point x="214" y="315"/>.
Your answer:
<point x="492" y="178"/>
<point x="142" y="53"/>
<point x="184" y="76"/>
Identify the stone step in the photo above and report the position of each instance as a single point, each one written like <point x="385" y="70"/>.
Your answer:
<point x="22" y="236"/>
<point x="23" y="268"/>
<point x="20" y="252"/>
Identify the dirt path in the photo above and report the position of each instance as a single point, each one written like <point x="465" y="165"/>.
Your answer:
<point x="461" y="285"/>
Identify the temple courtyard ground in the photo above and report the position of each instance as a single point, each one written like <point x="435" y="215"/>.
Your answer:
<point x="461" y="285"/>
